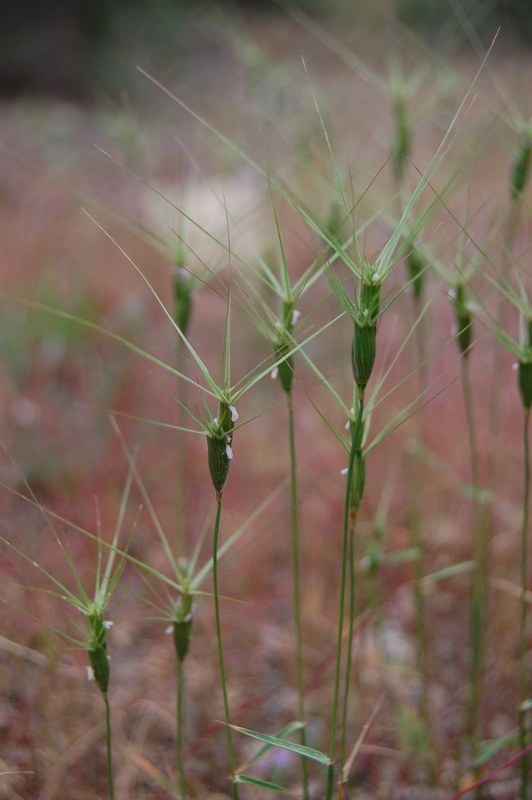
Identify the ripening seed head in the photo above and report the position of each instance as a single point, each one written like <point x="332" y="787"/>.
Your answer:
<point x="521" y="167"/>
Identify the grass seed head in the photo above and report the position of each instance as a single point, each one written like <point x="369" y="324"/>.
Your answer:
<point x="283" y="344"/>
<point x="182" y="285"/>
<point x="401" y="145"/>
<point x="363" y="351"/>
<point x="219" y="440"/>
<point x="463" y="320"/>
<point x="370" y="297"/>
<point x="97" y="650"/>
<point x="183" y="625"/>
<point x="416" y="271"/>
<point x="525" y="377"/>
<point x="521" y="167"/>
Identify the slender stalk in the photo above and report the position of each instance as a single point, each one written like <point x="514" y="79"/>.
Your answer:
<point x="480" y="576"/>
<point x="523" y="615"/>
<point x="295" y="540"/>
<point x="422" y="645"/>
<point x="220" y="645"/>
<point x="349" y="656"/>
<point x="345" y="544"/>
<point x="180" y="717"/>
<point x="109" y="747"/>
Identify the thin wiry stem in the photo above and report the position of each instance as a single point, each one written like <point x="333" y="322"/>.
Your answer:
<point x="349" y="657"/>
<point x="345" y="544"/>
<point x="422" y="646"/>
<point x="109" y="747"/>
<point x="180" y="717"/>
<point x="295" y="539"/>
<point x="480" y="576"/>
<point x="220" y="645"/>
<point x="523" y="712"/>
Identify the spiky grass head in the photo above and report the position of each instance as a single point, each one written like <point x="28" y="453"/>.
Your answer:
<point x="97" y="649"/>
<point x="283" y="344"/>
<point x="219" y="444"/>
<point x="364" y="347"/>
<point x="521" y="166"/>
<point x="182" y="285"/>
<point x="463" y="319"/>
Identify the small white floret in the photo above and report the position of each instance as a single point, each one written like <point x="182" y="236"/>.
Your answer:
<point x="347" y="424"/>
<point x="275" y="373"/>
<point x="344" y="471"/>
<point x="234" y="413"/>
<point x="295" y="316"/>
<point x="228" y="452"/>
<point x="169" y="629"/>
<point x="90" y="674"/>
<point x="108" y="624"/>
<point x="515" y="366"/>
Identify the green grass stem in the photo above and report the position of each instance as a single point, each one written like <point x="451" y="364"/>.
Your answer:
<point x="180" y="718"/>
<point x="343" y="582"/>
<point x="295" y="541"/>
<point x="523" y="682"/>
<point x="480" y="577"/>
<point x="109" y="747"/>
<point x="229" y="734"/>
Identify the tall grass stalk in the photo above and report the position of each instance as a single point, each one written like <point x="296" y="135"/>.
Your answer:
<point x="219" y="640"/>
<point x="523" y="672"/>
<point x="347" y="526"/>
<point x="296" y="559"/>
<point x="463" y="312"/>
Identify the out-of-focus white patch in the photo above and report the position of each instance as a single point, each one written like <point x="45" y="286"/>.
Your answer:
<point x="344" y="471"/>
<point x="234" y="201"/>
<point x="295" y="316"/>
<point x="25" y="412"/>
<point x="108" y="624"/>
<point x="274" y="373"/>
<point x="90" y="674"/>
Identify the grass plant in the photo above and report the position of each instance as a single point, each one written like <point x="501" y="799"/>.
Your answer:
<point x="321" y="304"/>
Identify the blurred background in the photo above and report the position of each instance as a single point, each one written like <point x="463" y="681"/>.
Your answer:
<point x="81" y="49"/>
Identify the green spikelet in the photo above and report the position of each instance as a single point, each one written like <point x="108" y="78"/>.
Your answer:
<point x="182" y="285"/>
<point x="219" y="449"/>
<point x="97" y="651"/>
<point x="463" y="320"/>
<point x="363" y="352"/>
<point x="183" y="626"/>
<point x="283" y="345"/>
<point x="100" y="667"/>
<point x="401" y="145"/>
<point x="416" y="270"/>
<point x="370" y="298"/>
<point x="525" y="377"/>
<point x="521" y="167"/>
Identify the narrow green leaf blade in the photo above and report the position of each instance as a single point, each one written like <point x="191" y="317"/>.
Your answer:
<point x="306" y="752"/>
<point x="273" y="787"/>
